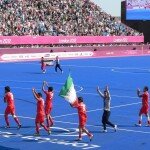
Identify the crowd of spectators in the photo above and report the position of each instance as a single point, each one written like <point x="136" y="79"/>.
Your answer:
<point x="58" y="17"/>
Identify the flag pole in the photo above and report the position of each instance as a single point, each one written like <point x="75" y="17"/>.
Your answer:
<point x="69" y="72"/>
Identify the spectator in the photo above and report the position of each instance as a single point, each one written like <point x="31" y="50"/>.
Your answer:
<point x="59" y="17"/>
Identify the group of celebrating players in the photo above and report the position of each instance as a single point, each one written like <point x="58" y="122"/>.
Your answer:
<point x="44" y="109"/>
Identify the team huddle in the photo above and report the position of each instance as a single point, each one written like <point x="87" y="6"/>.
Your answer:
<point x="44" y="109"/>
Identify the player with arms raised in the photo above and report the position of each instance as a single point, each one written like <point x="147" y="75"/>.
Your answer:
<point x="145" y="105"/>
<point x="48" y="103"/>
<point x="106" y="113"/>
<point x="40" y="116"/>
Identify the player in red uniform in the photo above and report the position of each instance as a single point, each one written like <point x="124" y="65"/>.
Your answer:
<point x="48" y="103"/>
<point x="43" y="65"/>
<point x="145" y="105"/>
<point x="81" y="107"/>
<point x="40" y="116"/>
<point x="10" y="109"/>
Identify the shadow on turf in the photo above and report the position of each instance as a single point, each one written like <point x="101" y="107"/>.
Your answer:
<point x="52" y="73"/>
<point x="7" y="148"/>
<point x="15" y="127"/>
<point x="73" y="140"/>
<point x="123" y="125"/>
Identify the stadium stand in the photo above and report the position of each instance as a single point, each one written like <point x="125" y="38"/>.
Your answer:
<point x="58" y="17"/>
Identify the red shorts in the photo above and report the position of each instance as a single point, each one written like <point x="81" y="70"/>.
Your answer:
<point x="10" y="110"/>
<point x="40" y="118"/>
<point x="48" y="110"/>
<point x="82" y="121"/>
<point x="143" y="110"/>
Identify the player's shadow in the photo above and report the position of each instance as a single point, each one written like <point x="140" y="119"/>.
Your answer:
<point x="15" y="128"/>
<point x="38" y="73"/>
<point x="118" y="125"/>
<point x="7" y="148"/>
<point x="82" y="141"/>
<point x="51" y="140"/>
<point x="127" y="125"/>
<point x="109" y="131"/>
<point x="27" y="127"/>
<point x="30" y="140"/>
<point x="34" y="73"/>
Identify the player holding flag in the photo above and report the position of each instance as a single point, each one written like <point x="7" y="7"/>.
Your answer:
<point x="68" y="92"/>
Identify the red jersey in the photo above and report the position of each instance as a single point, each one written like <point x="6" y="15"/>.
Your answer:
<point x="81" y="109"/>
<point x="40" y="106"/>
<point x="145" y="99"/>
<point x="82" y="114"/>
<point x="49" y="98"/>
<point x="9" y="98"/>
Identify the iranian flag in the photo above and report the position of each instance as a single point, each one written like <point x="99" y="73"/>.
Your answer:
<point x="68" y="91"/>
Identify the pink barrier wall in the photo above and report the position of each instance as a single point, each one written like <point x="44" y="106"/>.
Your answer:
<point x="68" y="49"/>
<point x="18" y="40"/>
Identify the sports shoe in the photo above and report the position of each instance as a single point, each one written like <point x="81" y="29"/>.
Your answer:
<point x="138" y="125"/>
<point x="79" y="139"/>
<point x="115" y="128"/>
<point x="19" y="126"/>
<point x="91" y="137"/>
<point x="49" y="132"/>
<point x="44" y="71"/>
<point x="148" y="125"/>
<point x="104" y="131"/>
<point x="6" y="127"/>
<point x="36" y="134"/>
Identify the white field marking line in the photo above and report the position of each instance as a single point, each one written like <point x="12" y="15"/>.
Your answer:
<point x="19" y="88"/>
<point x="86" y="93"/>
<point x="29" y="131"/>
<point x="116" y="71"/>
<point x="63" y="129"/>
<point x="121" y="129"/>
<point x="107" y="67"/>
<point x="87" y="111"/>
<point x="80" y="87"/>
<point x="21" y="117"/>
<point x="135" y="131"/>
<point x="31" y="118"/>
<point x="134" y="97"/>
<point x="89" y="66"/>
<point x="31" y="81"/>
<point x="130" y="104"/>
